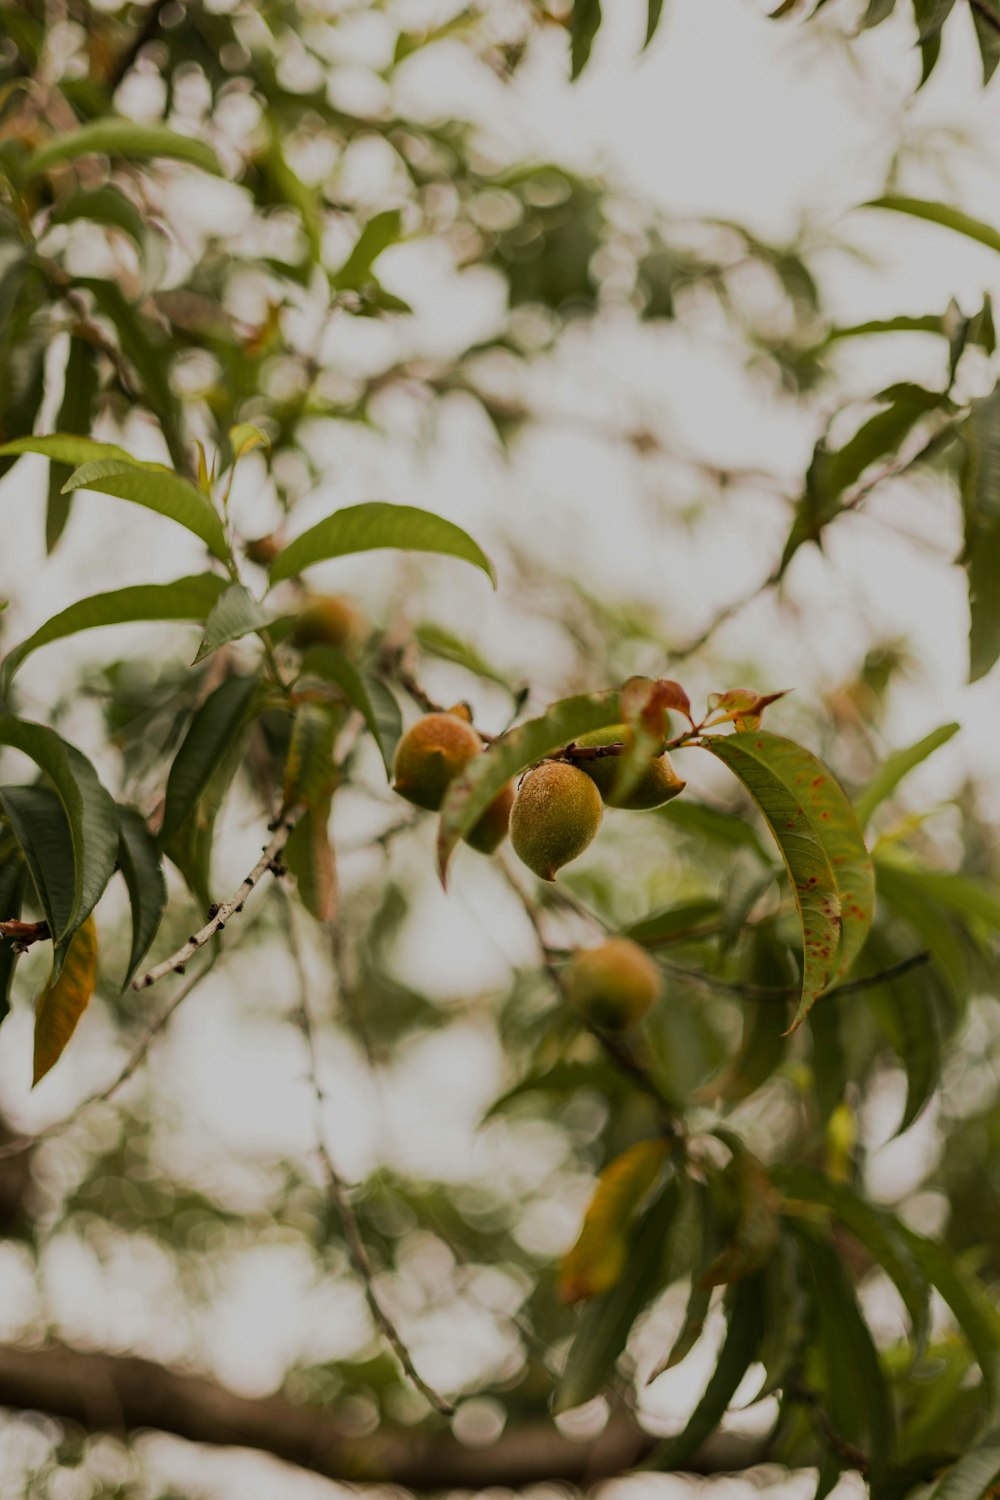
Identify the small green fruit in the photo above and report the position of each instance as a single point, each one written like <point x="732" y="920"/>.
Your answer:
<point x="327" y="620"/>
<point x="615" y="985"/>
<point x="489" y="833"/>
<point x="557" y="812"/>
<point x="431" y="754"/>
<point x="263" y="549"/>
<point x="655" y="786"/>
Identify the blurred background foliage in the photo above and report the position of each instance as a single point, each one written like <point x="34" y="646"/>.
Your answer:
<point x="252" y="270"/>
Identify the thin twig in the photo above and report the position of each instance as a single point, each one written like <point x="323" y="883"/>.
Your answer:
<point x="219" y="915"/>
<point x="27" y="1142"/>
<point x="339" y="1191"/>
<point x="21" y="935"/>
<point x="785" y="992"/>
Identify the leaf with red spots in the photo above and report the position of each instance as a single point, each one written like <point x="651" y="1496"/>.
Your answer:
<point x="817" y="832"/>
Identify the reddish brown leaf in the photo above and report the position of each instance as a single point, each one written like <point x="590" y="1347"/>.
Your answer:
<point x="60" y="1006"/>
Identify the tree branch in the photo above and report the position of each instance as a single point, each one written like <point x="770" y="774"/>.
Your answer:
<point x="112" y="1392"/>
<point x="766" y="992"/>
<point x="219" y="915"/>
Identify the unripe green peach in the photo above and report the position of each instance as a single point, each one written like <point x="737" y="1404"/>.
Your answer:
<point x="655" y="786"/>
<point x="615" y="985"/>
<point x="489" y="833"/>
<point x="557" y="811"/>
<point x="431" y="754"/>
<point x="327" y="620"/>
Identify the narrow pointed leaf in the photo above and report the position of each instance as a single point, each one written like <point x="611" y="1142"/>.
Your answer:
<point x="380" y="712"/>
<point x="234" y="614"/>
<point x="738" y="1352"/>
<point x="139" y="862"/>
<point x="39" y="823"/>
<point x="70" y="449"/>
<point x="309" y="856"/>
<point x="972" y="1310"/>
<point x="184" y="599"/>
<point x="986" y="20"/>
<point x="940" y="213"/>
<point x="820" y="841"/>
<point x="654" y="13"/>
<point x="597" y="1260"/>
<point x="309" y="768"/>
<point x="104" y="205"/>
<point x="211" y="733"/>
<point x="486" y="775"/>
<point x="381" y="231"/>
<point x="64" y="1000"/>
<point x="980" y="480"/>
<point x="897" y="765"/>
<point x="369" y="527"/>
<point x="120" y="137"/>
<point x="75" y="413"/>
<point x="157" y="489"/>
<point x="584" y="25"/>
<point x="606" y="1321"/>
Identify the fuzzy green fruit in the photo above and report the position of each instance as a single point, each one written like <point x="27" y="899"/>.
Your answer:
<point x="327" y="620"/>
<point x="615" y="985"/>
<point x="489" y="833"/>
<point x="655" y="786"/>
<point x="557" y="812"/>
<point x="430" y="755"/>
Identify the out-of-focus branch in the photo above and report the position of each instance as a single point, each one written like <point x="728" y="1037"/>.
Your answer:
<point x="115" y="1393"/>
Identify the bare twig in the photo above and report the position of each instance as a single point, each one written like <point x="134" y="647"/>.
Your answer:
<point x="340" y="1193"/>
<point x="219" y="915"/>
<point x="767" y="992"/>
<point x="21" y="935"/>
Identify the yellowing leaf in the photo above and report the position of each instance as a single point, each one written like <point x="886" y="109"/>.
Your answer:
<point x="597" y="1260"/>
<point x="60" y="1005"/>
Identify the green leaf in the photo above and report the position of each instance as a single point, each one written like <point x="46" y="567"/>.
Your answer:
<point x="972" y="1310"/>
<point x="486" y="775"/>
<point x="897" y="765"/>
<point x="560" y="1081"/>
<point x="378" y="234"/>
<point x="675" y="924"/>
<point x="876" y="1229"/>
<point x="784" y="1315"/>
<point x="728" y="830"/>
<point x="39" y="824"/>
<point x="310" y="772"/>
<point x="764" y="1040"/>
<point x="184" y="599"/>
<point x="105" y="205"/>
<point x="654" y="14"/>
<point x="738" y="1352"/>
<point x="64" y="1000"/>
<point x="930" y="16"/>
<point x="366" y="528"/>
<point x="755" y="1227"/>
<point x="70" y="449"/>
<point x="379" y="709"/>
<point x="981" y="505"/>
<point x="817" y="833"/>
<point x="986" y="20"/>
<point x="149" y="350"/>
<point x="857" y="1396"/>
<point x="211" y="733"/>
<point x="13" y="878"/>
<point x="93" y="822"/>
<point x="118" y="137"/>
<point x="877" y="12"/>
<point x="310" y="858"/>
<point x="974" y="1475"/>
<point x="909" y="1011"/>
<point x="234" y="614"/>
<point x="157" y="489"/>
<point x="606" y="1321"/>
<point x="442" y="643"/>
<point x="79" y="390"/>
<point x="139" y="862"/>
<point x="926" y="323"/>
<point x="584" y="25"/>
<point x="940" y="213"/>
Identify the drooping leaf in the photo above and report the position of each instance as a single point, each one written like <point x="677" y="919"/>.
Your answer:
<point x="210" y="735"/>
<point x="139" y="862"/>
<point x="380" y="711"/>
<point x="877" y="12"/>
<point x="585" y="22"/>
<point x="784" y="1315"/>
<point x="876" y="1229"/>
<point x="904" y="323"/>
<point x="654" y="14"/>
<point x="738" y="1352"/>
<point x="120" y="137"/>
<point x="39" y="823"/>
<point x="764" y="1040"/>
<point x="63" y="1001"/>
<point x="817" y="833"/>
<point x="310" y="772"/>
<point x="897" y="765"/>
<point x="183" y="599"/>
<point x="975" y="1475"/>
<point x="443" y="643"/>
<point x="755" y="1224"/>
<point x="596" y="1262"/>
<point x="706" y="1236"/>
<point x="986" y="20"/>
<point x="157" y="489"/>
<point x="105" y="205"/>
<point x="606" y="1321"/>
<point x="675" y="924"/>
<point x="93" y="823"/>
<point x="149" y="352"/>
<point x="369" y="527"/>
<point x="727" y="829"/>
<point x="234" y="614"/>
<point x="856" y="1392"/>
<point x="79" y="389"/>
<point x="909" y="1011"/>
<point x="471" y="793"/>
<point x="930" y="16"/>
<point x="561" y="1080"/>
<point x="70" y="449"/>
<point x="940" y="213"/>
<point x="972" y="1310"/>
<point x="310" y="858"/>
<point x="980" y="434"/>
<point x="381" y="231"/>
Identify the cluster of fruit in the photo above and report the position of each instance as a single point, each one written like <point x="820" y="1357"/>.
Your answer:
<point x="556" y="809"/>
